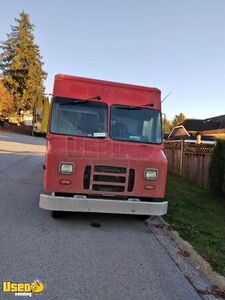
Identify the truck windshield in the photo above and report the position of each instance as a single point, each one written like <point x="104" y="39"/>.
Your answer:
<point x="136" y="124"/>
<point x="79" y="117"/>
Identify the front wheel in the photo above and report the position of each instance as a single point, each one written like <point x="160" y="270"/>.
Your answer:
<point x="56" y="214"/>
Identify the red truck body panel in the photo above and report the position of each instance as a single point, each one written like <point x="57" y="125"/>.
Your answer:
<point x="110" y="92"/>
<point x="123" y="155"/>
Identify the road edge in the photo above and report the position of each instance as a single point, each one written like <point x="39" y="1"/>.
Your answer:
<point x="162" y="231"/>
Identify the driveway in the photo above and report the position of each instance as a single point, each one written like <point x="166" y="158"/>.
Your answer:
<point x="118" y="259"/>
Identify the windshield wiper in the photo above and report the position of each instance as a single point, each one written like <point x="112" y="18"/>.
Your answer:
<point x="75" y="102"/>
<point x="129" y="107"/>
<point x="94" y="98"/>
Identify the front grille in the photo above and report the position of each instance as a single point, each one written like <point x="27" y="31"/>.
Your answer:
<point x="131" y="180"/>
<point x="87" y="177"/>
<point x="108" y="188"/>
<point x="110" y="169"/>
<point x="109" y="179"/>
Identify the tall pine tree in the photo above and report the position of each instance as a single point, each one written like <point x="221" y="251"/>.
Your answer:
<point x="22" y="66"/>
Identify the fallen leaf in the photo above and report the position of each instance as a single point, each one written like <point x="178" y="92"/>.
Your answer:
<point x="183" y="252"/>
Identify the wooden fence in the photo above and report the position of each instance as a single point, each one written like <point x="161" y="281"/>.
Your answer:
<point x="189" y="160"/>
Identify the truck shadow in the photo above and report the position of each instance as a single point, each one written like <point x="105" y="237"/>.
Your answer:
<point x="98" y="220"/>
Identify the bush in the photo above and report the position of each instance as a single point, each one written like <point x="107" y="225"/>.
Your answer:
<point x="217" y="169"/>
<point x="6" y="102"/>
<point x="224" y="183"/>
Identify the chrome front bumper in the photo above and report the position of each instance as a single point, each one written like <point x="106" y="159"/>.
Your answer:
<point x="82" y="204"/>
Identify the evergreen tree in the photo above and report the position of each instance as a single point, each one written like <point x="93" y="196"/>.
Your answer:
<point x="21" y="65"/>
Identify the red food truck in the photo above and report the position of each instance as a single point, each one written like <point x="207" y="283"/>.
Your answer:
<point x="104" y="149"/>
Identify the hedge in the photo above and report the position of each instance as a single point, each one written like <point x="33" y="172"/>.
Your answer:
<point x="217" y="170"/>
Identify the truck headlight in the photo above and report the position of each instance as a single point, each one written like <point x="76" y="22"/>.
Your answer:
<point x="150" y="174"/>
<point x="66" y="168"/>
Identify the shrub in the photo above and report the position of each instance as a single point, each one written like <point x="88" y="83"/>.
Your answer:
<point x="224" y="181"/>
<point x="217" y="169"/>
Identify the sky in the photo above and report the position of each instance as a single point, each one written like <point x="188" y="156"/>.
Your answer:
<point x="176" y="46"/>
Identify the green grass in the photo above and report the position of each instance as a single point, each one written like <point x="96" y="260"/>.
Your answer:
<point x="199" y="218"/>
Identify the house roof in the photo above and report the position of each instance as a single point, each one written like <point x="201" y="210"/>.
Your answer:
<point x="206" y="124"/>
<point x="193" y="124"/>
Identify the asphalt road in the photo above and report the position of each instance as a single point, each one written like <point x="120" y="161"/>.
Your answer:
<point x="119" y="260"/>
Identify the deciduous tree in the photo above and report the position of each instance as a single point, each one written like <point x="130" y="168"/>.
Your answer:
<point x="6" y="102"/>
<point x="178" y="119"/>
<point x="167" y="125"/>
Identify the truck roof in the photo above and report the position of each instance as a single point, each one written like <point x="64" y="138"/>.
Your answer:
<point x="105" y="82"/>
<point x="112" y="92"/>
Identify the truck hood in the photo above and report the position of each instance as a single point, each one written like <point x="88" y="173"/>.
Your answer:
<point x="104" y="149"/>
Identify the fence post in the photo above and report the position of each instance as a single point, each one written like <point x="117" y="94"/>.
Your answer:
<point x="181" y="156"/>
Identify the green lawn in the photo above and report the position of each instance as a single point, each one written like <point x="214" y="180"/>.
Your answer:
<point x="199" y="218"/>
